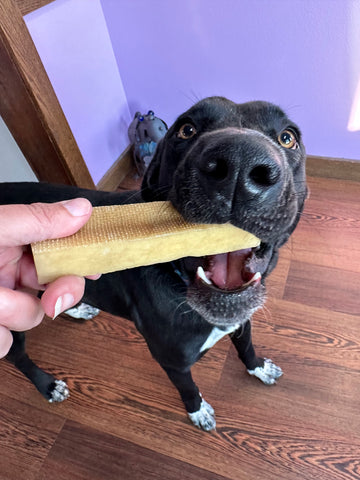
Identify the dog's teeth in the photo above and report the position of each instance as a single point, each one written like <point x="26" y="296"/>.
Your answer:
<point x="256" y="276"/>
<point x="201" y="274"/>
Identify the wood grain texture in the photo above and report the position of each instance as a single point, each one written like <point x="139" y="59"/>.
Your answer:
<point x="27" y="6"/>
<point x="124" y="419"/>
<point x="115" y="459"/>
<point x="326" y="235"/>
<point x="26" y="436"/>
<point x="30" y="108"/>
<point x="117" y="173"/>
<point x="318" y="286"/>
<point x="339" y="168"/>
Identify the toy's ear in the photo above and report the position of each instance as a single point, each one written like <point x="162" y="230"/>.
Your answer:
<point x="151" y="180"/>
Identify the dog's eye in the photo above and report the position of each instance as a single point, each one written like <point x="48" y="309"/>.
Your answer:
<point x="287" y="139"/>
<point x="186" y="131"/>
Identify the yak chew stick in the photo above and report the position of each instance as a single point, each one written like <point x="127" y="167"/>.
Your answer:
<point x="118" y="237"/>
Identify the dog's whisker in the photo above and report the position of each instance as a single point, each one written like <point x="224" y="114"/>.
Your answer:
<point x="267" y="313"/>
<point x="157" y="192"/>
<point x="131" y="197"/>
<point x="179" y="307"/>
<point x="192" y="96"/>
<point x="166" y="207"/>
<point x="239" y="332"/>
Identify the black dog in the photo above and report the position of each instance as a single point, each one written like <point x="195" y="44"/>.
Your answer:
<point x="220" y="162"/>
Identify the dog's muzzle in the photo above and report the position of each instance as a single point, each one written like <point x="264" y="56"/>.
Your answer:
<point x="239" y="176"/>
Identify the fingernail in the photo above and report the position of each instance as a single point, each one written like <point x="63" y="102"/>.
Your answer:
<point x="63" y="303"/>
<point x="94" y="277"/>
<point x="78" y="207"/>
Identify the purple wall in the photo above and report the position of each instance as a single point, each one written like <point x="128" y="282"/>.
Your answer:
<point x="74" y="44"/>
<point x="109" y="58"/>
<point x="303" y="55"/>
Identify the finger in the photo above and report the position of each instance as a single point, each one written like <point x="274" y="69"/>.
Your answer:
<point x="27" y="276"/>
<point x="10" y="255"/>
<point x="23" y="273"/>
<point x="62" y="294"/>
<point x="6" y="340"/>
<point x="9" y="258"/>
<point x="19" y="310"/>
<point x="94" y="277"/>
<point x="24" y="224"/>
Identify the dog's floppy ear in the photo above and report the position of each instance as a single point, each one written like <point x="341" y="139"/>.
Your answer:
<point x="150" y="183"/>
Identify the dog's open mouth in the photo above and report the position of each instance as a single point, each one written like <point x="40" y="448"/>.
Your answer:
<point x="227" y="287"/>
<point x="228" y="272"/>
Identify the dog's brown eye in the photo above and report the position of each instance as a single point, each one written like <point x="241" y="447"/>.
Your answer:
<point x="186" y="131"/>
<point x="287" y="139"/>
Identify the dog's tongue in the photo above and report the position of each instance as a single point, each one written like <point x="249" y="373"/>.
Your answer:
<point x="227" y="269"/>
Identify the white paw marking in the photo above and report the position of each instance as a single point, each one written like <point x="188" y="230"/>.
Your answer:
<point x="60" y="392"/>
<point x="84" y="311"/>
<point x="204" y="418"/>
<point x="268" y="374"/>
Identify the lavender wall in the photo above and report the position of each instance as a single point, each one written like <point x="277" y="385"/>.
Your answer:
<point x="303" y="55"/>
<point x="108" y="58"/>
<point x="73" y="42"/>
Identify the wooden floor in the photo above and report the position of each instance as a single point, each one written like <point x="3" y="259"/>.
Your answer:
<point x="124" y="419"/>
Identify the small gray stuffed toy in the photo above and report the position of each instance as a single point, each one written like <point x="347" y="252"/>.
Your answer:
<point x="144" y="132"/>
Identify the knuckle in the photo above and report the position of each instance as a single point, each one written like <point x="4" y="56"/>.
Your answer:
<point x="43" y="217"/>
<point x="42" y="212"/>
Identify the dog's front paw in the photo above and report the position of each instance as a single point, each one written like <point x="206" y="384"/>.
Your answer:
<point x="204" y="418"/>
<point x="268" y="373"/>
<point x="58" y="391"/>
<point x="83" y="311"/>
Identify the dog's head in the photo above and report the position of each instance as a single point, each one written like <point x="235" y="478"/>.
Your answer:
<point x="239" y="163"/>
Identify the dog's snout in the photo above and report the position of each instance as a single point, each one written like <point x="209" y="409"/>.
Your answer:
<point x="241" y="161"/>
<point x="262" y="176"/>
<point x="216" y="168"/>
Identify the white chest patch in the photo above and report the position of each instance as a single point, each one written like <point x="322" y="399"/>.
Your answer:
<point x="215" y="335"/>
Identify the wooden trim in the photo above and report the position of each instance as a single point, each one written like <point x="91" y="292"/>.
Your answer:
<point x="30" y="108"/>
<point x="116" y="174"/>
<point x="27" y="6"/>
<point x="340" y="169"/>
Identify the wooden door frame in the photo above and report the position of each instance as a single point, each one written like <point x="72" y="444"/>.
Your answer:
<point x="29" y="106"/>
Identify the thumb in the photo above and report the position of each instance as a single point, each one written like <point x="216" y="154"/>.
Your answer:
<point x="24" y="224"/>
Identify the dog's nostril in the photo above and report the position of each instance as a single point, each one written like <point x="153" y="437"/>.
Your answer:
<point x="264" y="175"/>
<point x="217" y="168"/>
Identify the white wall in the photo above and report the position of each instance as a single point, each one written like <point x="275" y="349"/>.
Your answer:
<point x="13" y="166"/>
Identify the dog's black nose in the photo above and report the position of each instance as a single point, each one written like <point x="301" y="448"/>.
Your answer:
<point x="243" y="165"/>
<point x="216" y="168"/>
<point x="260" y="171"/>
<point x="262" y="174"/>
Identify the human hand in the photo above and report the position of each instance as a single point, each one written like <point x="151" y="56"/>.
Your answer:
<point x="20" y="309"/>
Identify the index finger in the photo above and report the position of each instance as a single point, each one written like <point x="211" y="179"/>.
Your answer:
<point x="24" y="224"/>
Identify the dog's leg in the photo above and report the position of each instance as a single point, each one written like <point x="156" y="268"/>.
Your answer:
<point x="199" y="411"/>
<point x="53" y="390"/>
<point x="262" y="368"/>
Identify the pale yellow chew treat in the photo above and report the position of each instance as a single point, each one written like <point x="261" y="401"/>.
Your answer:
<point x="118" y="237"/>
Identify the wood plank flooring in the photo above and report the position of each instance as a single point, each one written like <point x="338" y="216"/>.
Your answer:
<point x="124" y="419"/>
